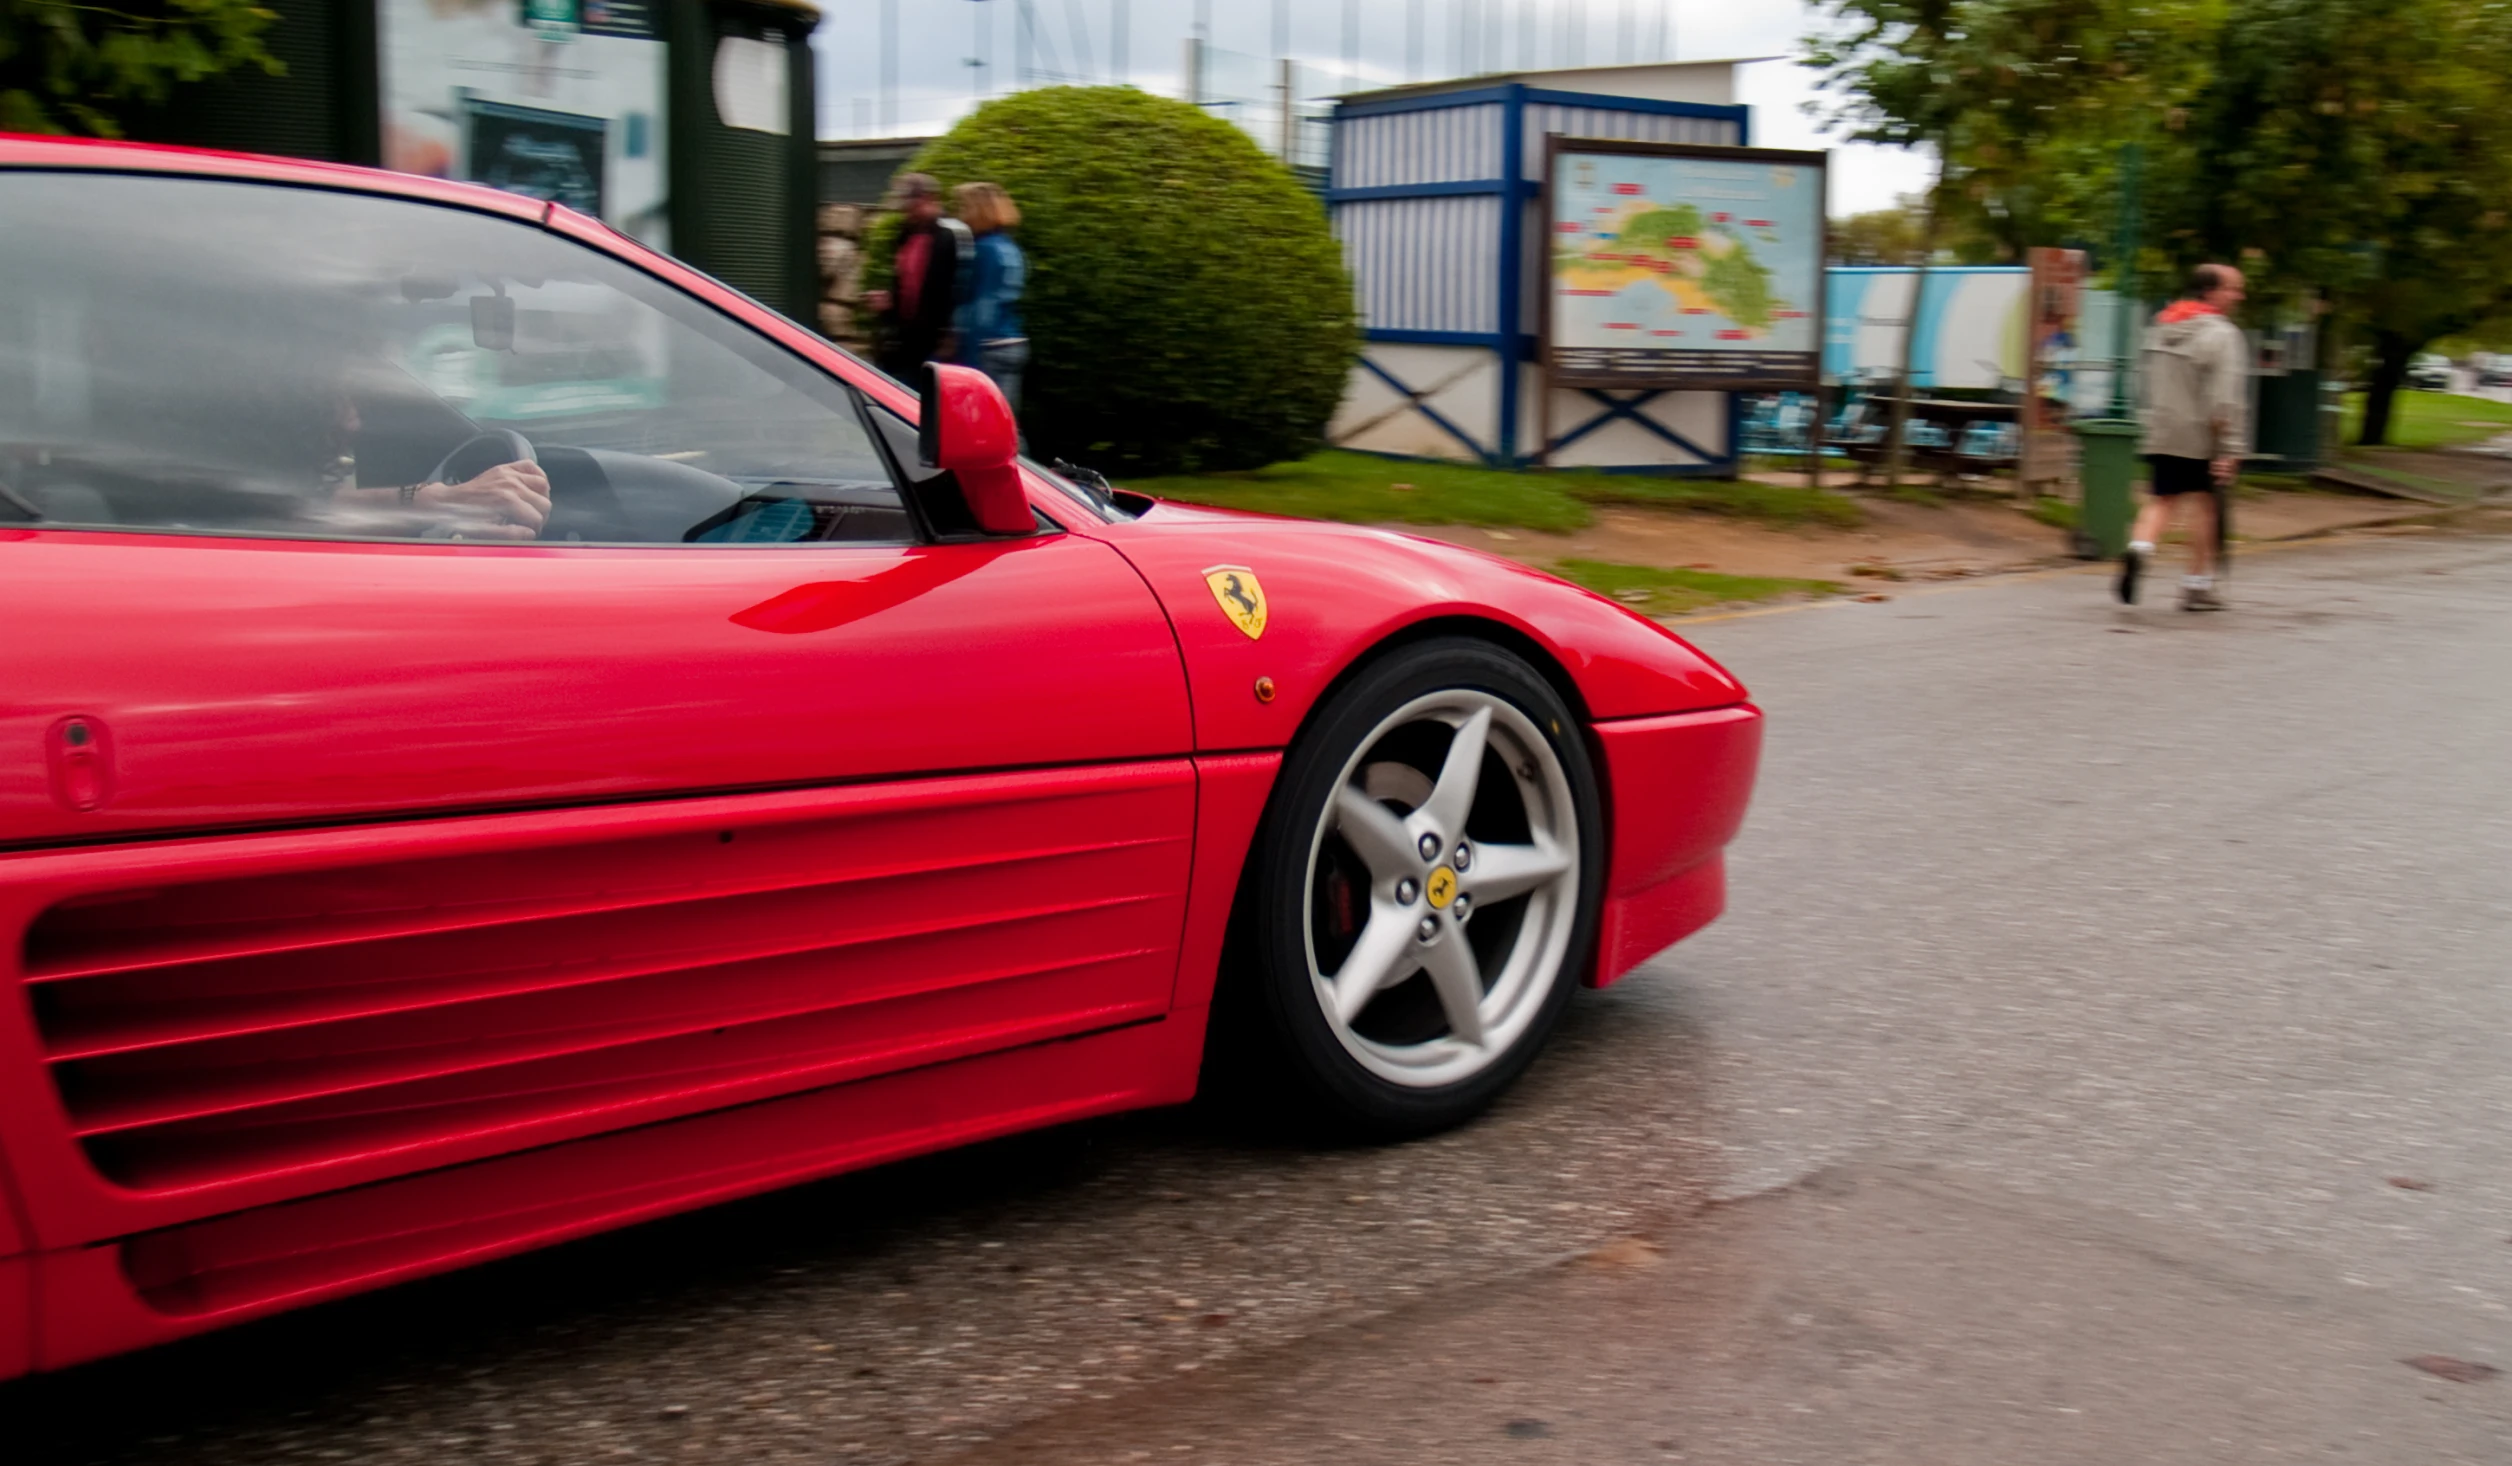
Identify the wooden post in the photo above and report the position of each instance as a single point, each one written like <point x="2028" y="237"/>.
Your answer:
<point x="1814" y="437"/>
<point x="1543" y="411"/>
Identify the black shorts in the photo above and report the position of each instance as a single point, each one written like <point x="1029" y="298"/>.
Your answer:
<point x="2180" y="475"/>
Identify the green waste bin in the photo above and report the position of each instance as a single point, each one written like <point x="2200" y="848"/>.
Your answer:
<point x="2287" y="435"/>
<point x="2107" y="471"/>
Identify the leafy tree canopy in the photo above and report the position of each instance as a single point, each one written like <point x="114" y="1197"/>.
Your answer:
<point x="2355" y="156"/>
<point x="1879" y="236"/>
<point x="80" y="68"/>
<point x="1989" y="85"/>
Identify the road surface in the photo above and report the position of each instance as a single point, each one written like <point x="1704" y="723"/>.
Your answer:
<point x="2107" y="1057"/>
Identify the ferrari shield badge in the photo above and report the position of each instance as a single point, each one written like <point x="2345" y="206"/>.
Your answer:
<point x="1240" y="597"/>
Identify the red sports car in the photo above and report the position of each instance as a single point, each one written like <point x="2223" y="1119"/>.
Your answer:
<point x="502" y="736"/>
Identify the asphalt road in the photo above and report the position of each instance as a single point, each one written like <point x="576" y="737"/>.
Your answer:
<point x="2093" y="979"/>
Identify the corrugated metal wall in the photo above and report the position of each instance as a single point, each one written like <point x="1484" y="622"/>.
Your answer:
<point x="1645" y="127"/>
<point x="1424" y="264"/>
<point x="1442" y="145"/>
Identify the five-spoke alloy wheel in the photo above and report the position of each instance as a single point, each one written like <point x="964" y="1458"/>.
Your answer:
<point x="1425" y="888"/>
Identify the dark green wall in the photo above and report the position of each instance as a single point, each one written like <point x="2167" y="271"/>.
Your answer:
<point x="743" y="204"/>
<point x="323" y="107"/>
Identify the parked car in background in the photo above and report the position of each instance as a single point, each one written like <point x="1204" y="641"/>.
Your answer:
<point x="2430" y="372"/>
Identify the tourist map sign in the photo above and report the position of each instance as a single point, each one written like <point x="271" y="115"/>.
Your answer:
<point x="1675" y="266"/>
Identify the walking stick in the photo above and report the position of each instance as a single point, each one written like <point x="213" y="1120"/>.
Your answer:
<point x="2223" y="529"/>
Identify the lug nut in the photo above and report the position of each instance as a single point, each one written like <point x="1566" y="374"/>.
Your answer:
<point x="1464" y="860"/>
<point x="1405" y="892"/>
<point x="1429" y="847"/>
<point x="1463" y="906"/>
<point x="1430" y="928"/>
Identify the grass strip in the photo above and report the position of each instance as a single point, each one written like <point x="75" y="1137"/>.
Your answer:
<point x="1656" y="592"/>
<point x="2056" y="513"/>
<point x="2432" y="420"/>
<point x="2382" y="463"/>
<point x="1362" y="489"/>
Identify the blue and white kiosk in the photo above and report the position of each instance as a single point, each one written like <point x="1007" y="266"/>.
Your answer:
<point x="1437" y="194"/>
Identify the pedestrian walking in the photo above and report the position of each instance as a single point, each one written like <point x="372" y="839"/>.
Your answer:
<point x="929" y="272"/>
<point x="991" y="336"/>
<point x="2196" y="404"/>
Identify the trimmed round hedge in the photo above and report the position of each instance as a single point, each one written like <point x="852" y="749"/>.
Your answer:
<point x="1187" y="306"/>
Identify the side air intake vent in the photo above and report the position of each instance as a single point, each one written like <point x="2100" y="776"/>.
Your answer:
<point x="444" y="1008"/>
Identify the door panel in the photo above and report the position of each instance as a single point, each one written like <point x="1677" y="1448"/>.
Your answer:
<point x="203" y="1035"/>
<point x="249" y="682"/>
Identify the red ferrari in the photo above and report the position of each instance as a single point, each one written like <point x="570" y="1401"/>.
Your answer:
<point x="502" y="737"/>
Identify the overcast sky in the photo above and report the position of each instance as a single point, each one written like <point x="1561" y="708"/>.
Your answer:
<point x="937" y="38"/>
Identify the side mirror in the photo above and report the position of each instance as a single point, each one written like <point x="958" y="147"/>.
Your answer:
<point x="966" y="427"/>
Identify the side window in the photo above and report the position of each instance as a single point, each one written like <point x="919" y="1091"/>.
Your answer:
<point x="250" y="359"/>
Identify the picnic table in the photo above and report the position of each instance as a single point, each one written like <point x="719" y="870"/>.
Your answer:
<point x="1944" y="437"/>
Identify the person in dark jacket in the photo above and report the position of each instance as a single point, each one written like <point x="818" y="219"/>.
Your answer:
<point x="991" y="336"/>
<point x="929" y="270"/>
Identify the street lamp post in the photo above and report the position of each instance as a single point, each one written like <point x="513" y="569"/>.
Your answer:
<point x="889" y="65"/>
<point x="2124" y="275"/>
<point x="981" y="51"/>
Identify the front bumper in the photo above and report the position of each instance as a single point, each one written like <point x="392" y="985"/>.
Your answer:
<point x="1676" y="788"/>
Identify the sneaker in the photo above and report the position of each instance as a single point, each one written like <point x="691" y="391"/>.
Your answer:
<point x="2132" y="565"/>
<point x="2198" y="598"/>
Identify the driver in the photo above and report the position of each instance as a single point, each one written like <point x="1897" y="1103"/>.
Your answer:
<point x="508" y="502"/>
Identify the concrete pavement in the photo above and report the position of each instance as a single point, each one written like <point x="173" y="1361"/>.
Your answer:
<point x="2091" y="975"/>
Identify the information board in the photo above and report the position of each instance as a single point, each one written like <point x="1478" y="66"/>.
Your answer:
<point x="1682" y="266"/>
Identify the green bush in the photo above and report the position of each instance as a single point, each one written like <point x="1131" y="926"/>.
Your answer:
<point x="1187" y="306"/>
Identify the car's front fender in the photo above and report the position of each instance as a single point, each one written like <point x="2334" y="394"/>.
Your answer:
<point x="1333" y="593"/>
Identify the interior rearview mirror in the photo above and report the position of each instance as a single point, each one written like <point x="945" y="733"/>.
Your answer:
<point x="966" y="427"/>
<point x="493" y="322"/>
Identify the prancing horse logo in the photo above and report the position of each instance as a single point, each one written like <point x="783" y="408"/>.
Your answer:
<point x="1235" y="590"/>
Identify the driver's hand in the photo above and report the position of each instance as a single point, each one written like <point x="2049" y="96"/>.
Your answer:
<point x="509" y="502"/>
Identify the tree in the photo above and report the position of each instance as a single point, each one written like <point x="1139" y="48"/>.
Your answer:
<point x="2356" y="155"/>
<point x="68" y="67"/>
<point x="1987" y="86"/>
<point x="1879" y="236"/>
<point x="1187" y="305"/>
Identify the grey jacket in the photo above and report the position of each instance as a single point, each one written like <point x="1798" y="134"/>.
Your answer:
<point x="2195" y="397"/>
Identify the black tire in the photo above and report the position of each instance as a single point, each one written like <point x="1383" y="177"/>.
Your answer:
<point x="1282" y="1053"/>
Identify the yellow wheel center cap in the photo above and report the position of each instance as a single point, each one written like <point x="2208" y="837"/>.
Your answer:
<point x="1441" y="888"/>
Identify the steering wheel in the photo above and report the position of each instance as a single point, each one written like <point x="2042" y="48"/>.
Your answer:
<point x="478" y="454"/>
<point x="474" y="456"/>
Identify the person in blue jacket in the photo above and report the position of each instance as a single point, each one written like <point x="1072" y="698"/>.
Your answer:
<point x="991" y="336"/>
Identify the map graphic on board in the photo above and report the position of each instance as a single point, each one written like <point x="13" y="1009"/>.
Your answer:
<point x="1684" y="270"/>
